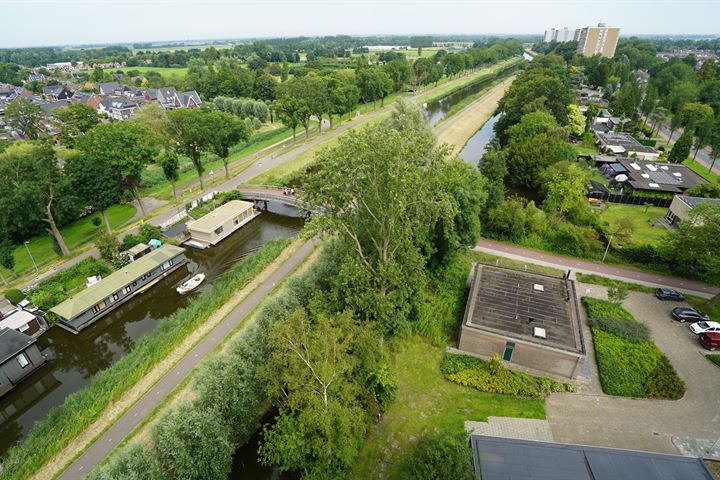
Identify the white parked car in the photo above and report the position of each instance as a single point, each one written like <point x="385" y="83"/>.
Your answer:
<point x="705" y="327"/>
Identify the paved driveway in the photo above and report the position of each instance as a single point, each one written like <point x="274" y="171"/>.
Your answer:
<point x="596" y="419"/>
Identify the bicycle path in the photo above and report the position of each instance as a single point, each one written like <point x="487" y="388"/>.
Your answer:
<point x="584" y="266"/>
<point x="120" y="429"/>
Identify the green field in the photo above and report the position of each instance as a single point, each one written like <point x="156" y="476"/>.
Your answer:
<point x="76" y="235"/>
<point x="426" y="402"/>
<point x="165" y="71"/>
<point x="645" y="232"/>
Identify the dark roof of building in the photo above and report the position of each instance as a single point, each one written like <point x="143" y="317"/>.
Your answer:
<point x="13" y="342"/>
<point x="513" y="303"/>
<point x="659" y="176"/>
<point x="693" y="201"/>
<point x="505" y="458"/>
<point x="624" y="140"/>
<point x="49" y="106"/>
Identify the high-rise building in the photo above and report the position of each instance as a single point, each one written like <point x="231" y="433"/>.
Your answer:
<point x="561" y="35"/>
<point x="600" y="40"/>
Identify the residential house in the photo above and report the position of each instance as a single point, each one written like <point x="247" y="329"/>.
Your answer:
<point x="102" y="297"/>
<point x="53" y="93"/>
<point x="220" y="223"/>
<point x="48" y="107"/>
<point x="682" y="205"/>
<point x="657" y="176"/>
<point x="118" y="108"/>
<point x="626" y="145"/>
<point x="36" y="77"/>
<point x="170" y="99"/>
<point x="19" y="357"/>
<point x="110" y="88"/>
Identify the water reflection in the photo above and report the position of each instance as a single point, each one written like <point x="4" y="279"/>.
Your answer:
<point x="474" y="149"/>
<point x="77" y="358"/>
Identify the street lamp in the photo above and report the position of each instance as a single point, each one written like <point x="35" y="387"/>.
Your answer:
<point x="37" y="272"/>
<point x="608" y="247"/>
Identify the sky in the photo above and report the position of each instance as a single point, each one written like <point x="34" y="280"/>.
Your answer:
<point x="56" y="22"/>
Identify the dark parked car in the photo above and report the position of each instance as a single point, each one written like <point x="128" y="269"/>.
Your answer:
<point x="669" y="294"/>
<point x="689" y="314"/>
<point x="710" y="340"/>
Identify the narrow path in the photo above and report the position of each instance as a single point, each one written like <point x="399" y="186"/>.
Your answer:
<point x="585" y="266"/>
<point x="120" y="429"/>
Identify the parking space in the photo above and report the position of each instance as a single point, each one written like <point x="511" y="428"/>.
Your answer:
<point x="640" y="424"/>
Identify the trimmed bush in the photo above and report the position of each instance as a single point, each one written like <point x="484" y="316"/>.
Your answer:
<point x="493" y="377"/>
<point x="604" y="309"/>
<point x="628" y="329"/>
<point x="663" y="382"/>
<point x="436" y="456"/>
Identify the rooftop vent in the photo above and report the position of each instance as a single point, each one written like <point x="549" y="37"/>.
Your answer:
<point x="538" y="287"/>
<point x="539" y="332"/>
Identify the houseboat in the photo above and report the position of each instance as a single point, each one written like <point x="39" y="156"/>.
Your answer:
<point x="220" y="223"/>
<point x="86" y="307"/>
<point x="23" y="317"/>
<point x="19" y="357"/>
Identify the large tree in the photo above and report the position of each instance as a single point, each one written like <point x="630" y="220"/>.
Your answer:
<point x="74" y="121"/>
<point x="26" y="117"/>
<point x="124" y="148"/>
<point x="170" y="164"/>
<point x="34" y="188"/>
<point x="193" y="132"/>
<point x="378" y="194"/>
<point x="95" y="184"/>
<point x="681" y="149"/>
<point x="317" y="372"/>
<point x="290" y="111"/>
<point x="228" y="132"/>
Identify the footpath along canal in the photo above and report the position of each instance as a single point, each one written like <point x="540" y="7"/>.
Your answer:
<point x="75" y="359"/>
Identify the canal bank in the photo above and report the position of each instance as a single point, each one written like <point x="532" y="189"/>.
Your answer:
<point x="76" y="359"/>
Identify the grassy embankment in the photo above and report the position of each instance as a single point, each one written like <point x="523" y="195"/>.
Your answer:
<point x="76" y="235"/>
<point x="80" y="409"/>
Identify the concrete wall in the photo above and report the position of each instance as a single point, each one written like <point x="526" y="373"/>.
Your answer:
<point x="527" y="354"/>
<point x="679" y="209"/>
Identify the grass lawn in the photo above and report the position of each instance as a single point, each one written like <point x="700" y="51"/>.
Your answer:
<point x="645" y="232"/>
<point x="165" y="71"/>
<point x="76" y="235"/>
<point x="702" y="171"/>
<point x="427" y="402"/>
<point x="583" y="150"/>
<point x="714" y="357"/>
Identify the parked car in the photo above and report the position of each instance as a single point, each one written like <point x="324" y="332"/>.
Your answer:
<point x="689" y="314"/>
<point x="710" y="340"/>
<point x="669" y="294"/>
<point x="705" y="327"/>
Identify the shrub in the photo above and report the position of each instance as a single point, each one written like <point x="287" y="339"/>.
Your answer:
<point x="451" y="363"/>
<point x="631" y="330"/>
<point x="14" y="296"/>
<point x="436" y="456"/>
<point x="617" y="293"/>
<point x="108" y="245"/>
<point x="61" y="285"/>
<point x="664" y="382"/>
<point x="384" y="387"/>
<point x="597" y="308"/>
<point x="135" y="462"/>
<point x="493" y="377"/>
<point x="230" y="195"/>
<point x="192" y="443"/>
<point x="148" y="232"/>
<point x="715" y="358"/>
<point x="129" y="241"/>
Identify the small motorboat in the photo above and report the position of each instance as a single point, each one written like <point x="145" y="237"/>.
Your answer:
<point x="191" y="284"/>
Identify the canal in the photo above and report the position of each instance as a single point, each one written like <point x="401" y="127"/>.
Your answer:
<point x="438" y="109"/>
<point x="77" y="358"/>
<point x="473" y="150"/>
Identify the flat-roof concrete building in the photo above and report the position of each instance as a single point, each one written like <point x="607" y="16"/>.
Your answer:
<point x="599" y="40"/>
<point x="528" y="318"/>
<point x="221" y="222"/>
